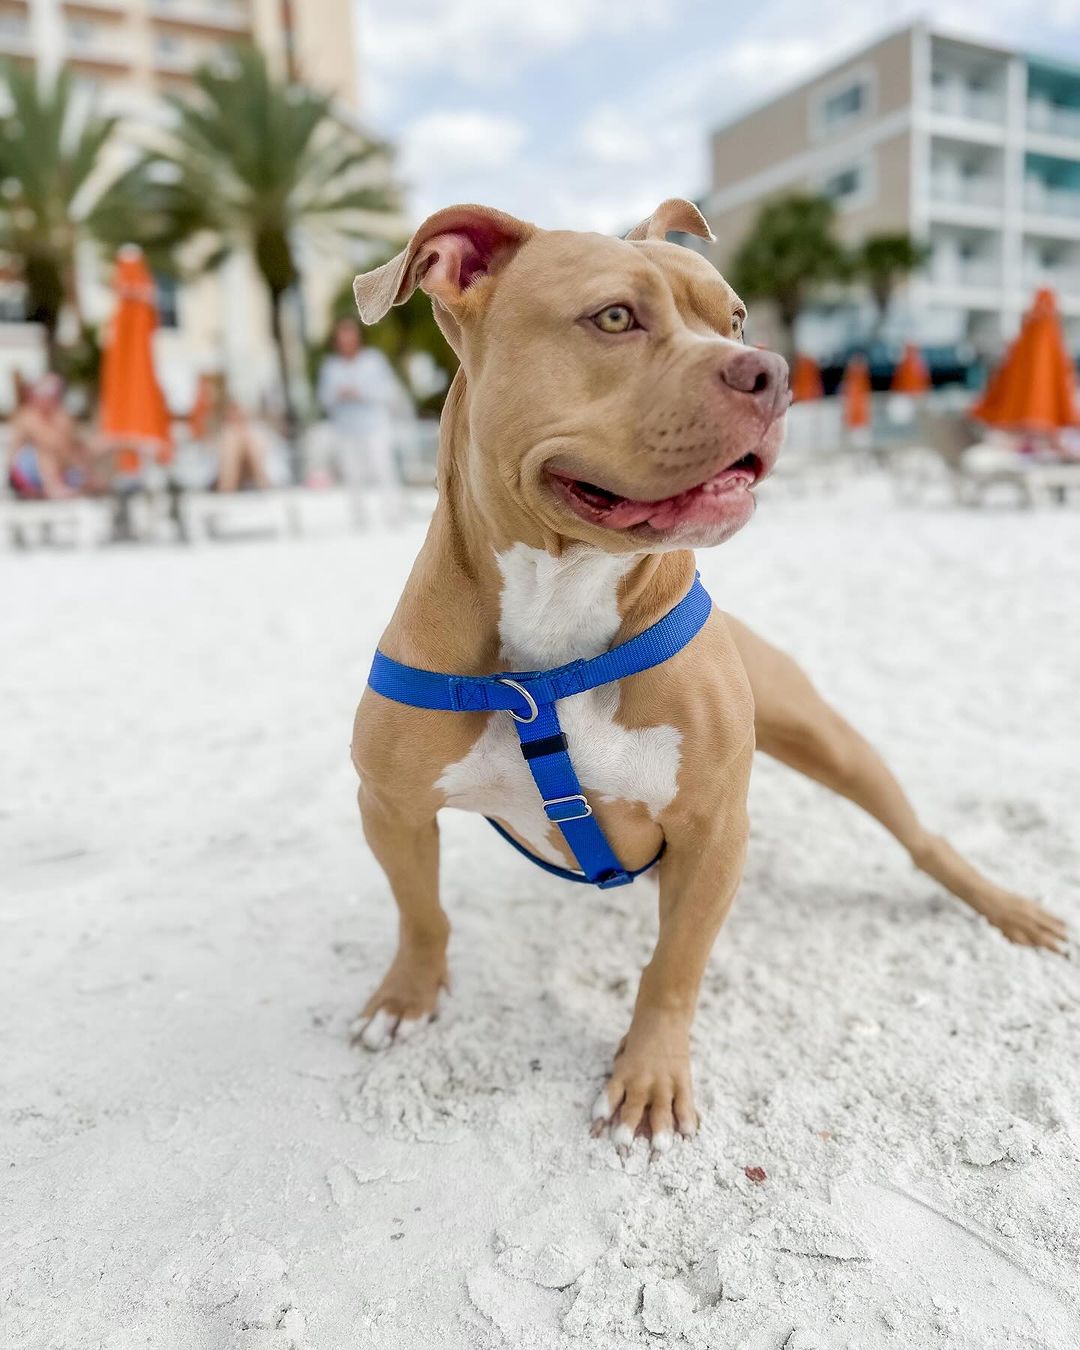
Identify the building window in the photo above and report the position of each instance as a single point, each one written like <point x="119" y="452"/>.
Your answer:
<point x="843" y="185"/>
<point x="843" y="101"/>
<point x="850" y="185"/>
<point x="847" y="103"/>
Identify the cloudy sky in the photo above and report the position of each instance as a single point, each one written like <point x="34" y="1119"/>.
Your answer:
<point x="586" y="113"/>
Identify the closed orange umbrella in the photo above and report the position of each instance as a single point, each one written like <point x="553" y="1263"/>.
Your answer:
<point x="134" y="417"/>
<point x="911" y="375"/>
<point x="855" y="390"/>
<point x="805" y="380"/>
<point x="1033" y="389"/>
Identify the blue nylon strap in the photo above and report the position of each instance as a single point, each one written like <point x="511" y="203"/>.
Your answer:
<point x="531" y="696"/>
<point x="489" y="693"/>
<point x="566" y="873"/>
<point x="567" y="805"/>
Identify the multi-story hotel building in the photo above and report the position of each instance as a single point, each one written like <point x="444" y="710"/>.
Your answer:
<point x="126" y="52"/>
<point x="972" y="148"/>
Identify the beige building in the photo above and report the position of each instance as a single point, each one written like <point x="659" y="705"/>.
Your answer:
<point x="124" y="53"/>
<point x="972" y="148"/>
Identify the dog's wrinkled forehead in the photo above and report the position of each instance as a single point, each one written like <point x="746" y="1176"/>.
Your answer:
<point x="458" y="254"/>
<point x="570" y="273"/>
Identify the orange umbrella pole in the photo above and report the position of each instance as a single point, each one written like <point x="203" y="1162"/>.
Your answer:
<point x="855" y="391"/>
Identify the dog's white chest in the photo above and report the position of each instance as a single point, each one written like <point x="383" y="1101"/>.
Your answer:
<point x="555" y="610"/>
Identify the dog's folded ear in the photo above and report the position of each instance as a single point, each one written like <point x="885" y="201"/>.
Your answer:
<point x="448" y="253"/>
<point x="674" y="214"/>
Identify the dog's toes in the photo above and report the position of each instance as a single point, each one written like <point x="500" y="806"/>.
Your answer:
<point x="378" y="1033"/>
<point x="409" y="1026"/>
<point x="661" y="1142"/>
<point x="658" y="1113"/>
<point x="1029" y="925"/>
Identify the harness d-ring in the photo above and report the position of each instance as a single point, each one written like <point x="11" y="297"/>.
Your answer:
<point x="534" y="711"/>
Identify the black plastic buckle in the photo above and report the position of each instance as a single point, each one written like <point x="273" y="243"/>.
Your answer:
<point x="544" y="745"/>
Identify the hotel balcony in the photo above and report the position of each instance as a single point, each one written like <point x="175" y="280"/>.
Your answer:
<point x="976" y="190"/>
<point x="202" y="16"/>
<point x="969" y="259"/>
<point x="1064" y="281"/>
<point x="967" y="83"/>
<point x="15" y="37"/>
<point x="1053" y="101"/>
<point x="969" y="273"/>
<point x="1042" y="199"/>
<point x="178" y="58"/>
<point x="966" y="175"/>
<point x="97" y="46"/>
<point x="970" y="105"/>
<point x="94" y="9"/>
<point x="1049" y="119"/>
<point x="1052" y="186"/>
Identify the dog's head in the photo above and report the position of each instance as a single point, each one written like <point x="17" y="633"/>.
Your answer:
<point x="609" y="388"/>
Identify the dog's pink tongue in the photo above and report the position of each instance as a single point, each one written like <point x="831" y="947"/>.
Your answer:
<point x="707" y="503"/>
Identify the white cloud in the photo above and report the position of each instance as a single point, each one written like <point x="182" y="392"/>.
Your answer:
<point x="653" y="143"/>
<point x="608" y="136"/>
<point x="460" y="142"/>
<point x="489" y="41"/>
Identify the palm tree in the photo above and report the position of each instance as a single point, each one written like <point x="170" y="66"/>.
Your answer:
<point x="884" y="261"/>
<point x="256" y="165"/>
<point x="789" y="253"/>
<point x="52" y="188"/>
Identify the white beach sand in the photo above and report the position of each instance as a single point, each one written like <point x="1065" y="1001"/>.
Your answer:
<point x="194" y="1156"/>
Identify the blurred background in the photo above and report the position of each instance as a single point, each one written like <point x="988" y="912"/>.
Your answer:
<point x="187" y="188"/>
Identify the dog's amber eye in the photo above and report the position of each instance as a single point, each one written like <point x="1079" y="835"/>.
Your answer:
<point x="737" y="321"/>
<point x="615" y="319"/>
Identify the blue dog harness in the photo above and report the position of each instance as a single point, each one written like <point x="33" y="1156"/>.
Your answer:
<point x="529" y="697"/>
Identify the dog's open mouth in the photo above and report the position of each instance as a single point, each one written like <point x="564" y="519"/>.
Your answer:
<point x="718" y="500"/>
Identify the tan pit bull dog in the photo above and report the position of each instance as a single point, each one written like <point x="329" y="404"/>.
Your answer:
<point x="606" y="420"/>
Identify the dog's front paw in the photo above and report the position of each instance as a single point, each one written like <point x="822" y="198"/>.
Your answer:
<point x="1026" y="923"/>
<point x="407" y="1000"/>
<point x="650" y="1091"/>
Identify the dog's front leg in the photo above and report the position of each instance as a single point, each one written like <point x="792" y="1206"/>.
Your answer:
<point x="650" y="1089"/>
<point x="406" y="843"/>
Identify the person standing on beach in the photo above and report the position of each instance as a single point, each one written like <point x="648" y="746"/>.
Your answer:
<point x="362" y="398"/>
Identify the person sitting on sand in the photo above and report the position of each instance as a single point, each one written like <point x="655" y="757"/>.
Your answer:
<point x="242" y="451"/>
<point x="48" y="457"/>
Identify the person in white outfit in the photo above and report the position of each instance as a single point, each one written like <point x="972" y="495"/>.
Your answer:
<point x="363" y="400"/>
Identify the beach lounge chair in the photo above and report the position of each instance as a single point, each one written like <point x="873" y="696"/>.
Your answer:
<point x="948" y="448"/>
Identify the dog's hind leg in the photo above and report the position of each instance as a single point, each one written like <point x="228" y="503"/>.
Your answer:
<point x="794" y="724"/>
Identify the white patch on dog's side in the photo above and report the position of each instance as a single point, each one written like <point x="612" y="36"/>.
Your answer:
<point x="555" y="610"/>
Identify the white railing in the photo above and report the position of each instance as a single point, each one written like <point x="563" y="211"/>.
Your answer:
<point x="1042" y="199"/>
<point x="975" y="272"/>
<point x="99" y="45"/>
<point x="1062" y="279"/>
<point x="972" y="105"/>
<point x="15" y="40"/>
<point x="982" y="191"/>
<point x="1051" y="120"/>
<point x="230" y="16"/>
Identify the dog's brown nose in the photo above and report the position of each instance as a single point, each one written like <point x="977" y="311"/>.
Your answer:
<point x="762" y="375"/>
